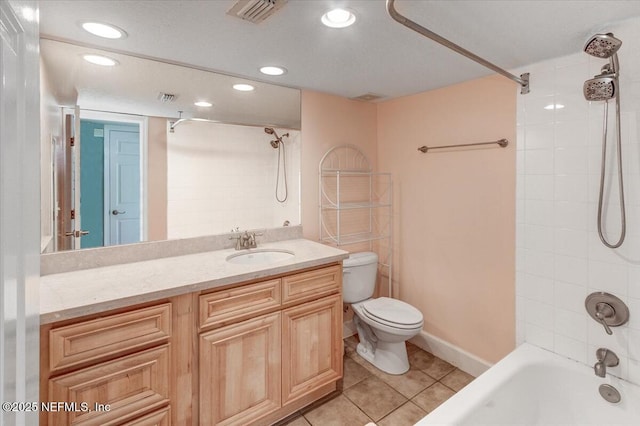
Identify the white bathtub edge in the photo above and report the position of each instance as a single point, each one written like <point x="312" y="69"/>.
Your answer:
<point x="478" y="391"/>
<point x="454" y="355"/>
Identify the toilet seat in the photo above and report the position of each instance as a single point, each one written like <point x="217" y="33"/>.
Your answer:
<point x="393" y="313"/>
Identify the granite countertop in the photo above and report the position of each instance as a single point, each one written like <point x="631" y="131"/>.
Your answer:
<point x="74" y="294"/>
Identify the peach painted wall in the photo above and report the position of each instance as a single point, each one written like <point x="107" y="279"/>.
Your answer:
<point x="327" y="121"/>
<point x="157" y="178"/>
<point x="454" y="210"/>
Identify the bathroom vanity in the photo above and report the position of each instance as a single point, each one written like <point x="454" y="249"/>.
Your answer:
<point x="227" y="343"/>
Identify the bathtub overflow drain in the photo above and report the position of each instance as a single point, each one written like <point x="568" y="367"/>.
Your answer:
<point x="609" y="393"/>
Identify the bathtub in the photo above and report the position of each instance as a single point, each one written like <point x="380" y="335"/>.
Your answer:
<point x="532" y="386"/>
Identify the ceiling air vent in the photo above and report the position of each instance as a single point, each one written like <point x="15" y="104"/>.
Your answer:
<point x="368" y="97"/>
<point x="166" y="97"/>
<point x="255" y="10"/>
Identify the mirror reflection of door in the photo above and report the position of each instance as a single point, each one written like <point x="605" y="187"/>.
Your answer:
<point x="63" y="172"/>
<point x="123" y="184"/>
<point x="110" y="183"/>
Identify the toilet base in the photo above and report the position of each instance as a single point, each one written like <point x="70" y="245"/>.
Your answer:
<point x="388" y="357"/>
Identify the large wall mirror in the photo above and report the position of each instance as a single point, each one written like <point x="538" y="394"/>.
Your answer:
<point x="129" y="157"/>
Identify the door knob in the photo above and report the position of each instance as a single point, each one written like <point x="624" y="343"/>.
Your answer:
<point x="76" y="234"/>
<point x="116" y="212"/>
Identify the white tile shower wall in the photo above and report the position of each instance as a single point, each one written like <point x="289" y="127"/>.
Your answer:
<point x="560" y="258"/>
<point x="221" y="176"/>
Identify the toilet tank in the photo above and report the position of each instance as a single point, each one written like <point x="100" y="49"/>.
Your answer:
<point x="359" y="272"/>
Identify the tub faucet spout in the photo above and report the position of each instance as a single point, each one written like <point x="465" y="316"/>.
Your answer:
<point x="606" y="358"/>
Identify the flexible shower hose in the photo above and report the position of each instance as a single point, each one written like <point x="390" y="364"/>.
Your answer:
<point x="284" y="172"/>
<point x="620" y="180"/>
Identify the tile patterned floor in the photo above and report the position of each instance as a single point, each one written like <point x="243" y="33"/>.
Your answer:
<point x="369" y="395"/>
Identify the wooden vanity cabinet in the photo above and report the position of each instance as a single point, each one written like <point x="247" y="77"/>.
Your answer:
<point x="110" y="370"/>
<point x="251" y="353"/>
<point x="289" y="353"/>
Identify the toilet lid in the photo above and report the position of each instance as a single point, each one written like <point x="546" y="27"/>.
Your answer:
<point x="392" y="311"/>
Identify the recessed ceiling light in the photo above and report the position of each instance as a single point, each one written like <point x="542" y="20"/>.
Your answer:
<point x="203" y="104"/>
<point x="271" y="70"/>
<point x="554" y="106"/>
<point x="243" y="87"/>
<point x="100" y="60"/>
<point x="103" y="30"/>
<point x="338" y="18"/>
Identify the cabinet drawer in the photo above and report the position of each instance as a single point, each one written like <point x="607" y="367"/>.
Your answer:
<point x="105" y="337"/>
<point x="157" y="418"/>
<point x="312" y="284"/>
<point x="237" y="303"/>
<point x="132" y="386"/>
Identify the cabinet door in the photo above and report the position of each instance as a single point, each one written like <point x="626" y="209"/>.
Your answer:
<point x="311" y="346"/>
<point x="240" y="371"/>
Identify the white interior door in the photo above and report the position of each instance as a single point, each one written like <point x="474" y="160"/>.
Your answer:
<point x="19" y="209"/>
<point x="122" y="197"/>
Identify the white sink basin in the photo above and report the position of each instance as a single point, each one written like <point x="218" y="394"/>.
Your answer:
<point x="259" y="256"/>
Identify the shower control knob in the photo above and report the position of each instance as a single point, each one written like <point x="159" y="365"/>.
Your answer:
<point x="607" y="309"/>
<point x="604" y="311"/>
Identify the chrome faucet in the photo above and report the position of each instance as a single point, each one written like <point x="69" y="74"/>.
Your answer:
<point x="606" y="358"/>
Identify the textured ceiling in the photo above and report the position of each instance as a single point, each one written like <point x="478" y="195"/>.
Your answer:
<point x="376" y="55"/>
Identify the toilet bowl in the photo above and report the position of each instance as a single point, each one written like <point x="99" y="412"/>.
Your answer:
<point x="383" y="324"/>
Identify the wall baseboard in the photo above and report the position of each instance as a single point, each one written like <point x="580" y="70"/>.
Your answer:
<point x="454" y="355"/>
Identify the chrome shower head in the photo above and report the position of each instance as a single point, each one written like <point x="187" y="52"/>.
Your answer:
<point x="275" y="143"/>
<point x="600" y="88"/>
<point x="269" y="130"/>
<point x="602" y="45"/>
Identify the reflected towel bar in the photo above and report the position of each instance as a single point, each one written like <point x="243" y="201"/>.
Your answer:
<point x="502" y="142"/>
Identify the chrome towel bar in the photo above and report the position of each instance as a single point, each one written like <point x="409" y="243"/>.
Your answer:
<point x="502" y="142"/>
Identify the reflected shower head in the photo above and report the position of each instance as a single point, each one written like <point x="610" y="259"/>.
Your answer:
<point x="275" y="143"/>
<point x="600" y="88"/>
<point x="602" y="45"/>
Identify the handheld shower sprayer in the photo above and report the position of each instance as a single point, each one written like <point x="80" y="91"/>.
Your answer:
<point x="604" y="87"/>
<point x="278" y="144"/>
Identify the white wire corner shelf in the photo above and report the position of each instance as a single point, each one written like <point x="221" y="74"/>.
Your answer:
<point x="355" y="205"/>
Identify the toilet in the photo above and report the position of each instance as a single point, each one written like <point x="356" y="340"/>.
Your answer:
<point x="383" y="324"/>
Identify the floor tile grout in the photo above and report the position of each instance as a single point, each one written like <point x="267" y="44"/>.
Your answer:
<point x="425" y="400"/>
